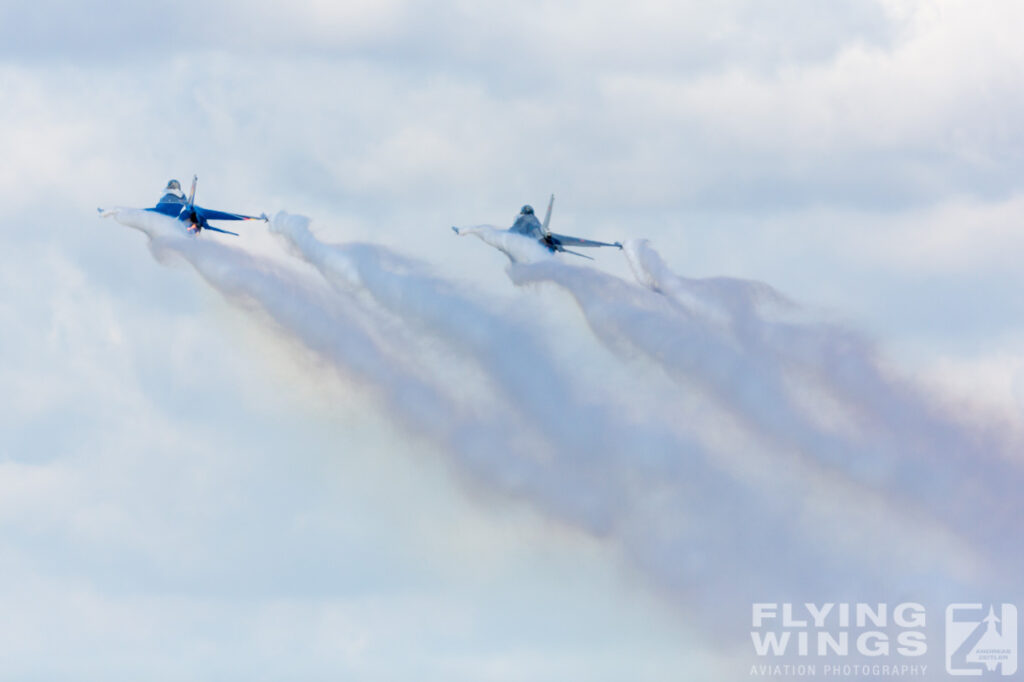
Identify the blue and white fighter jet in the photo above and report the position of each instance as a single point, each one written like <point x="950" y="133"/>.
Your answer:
<point x="196" y="218"/>
<point x="527" y="225"/>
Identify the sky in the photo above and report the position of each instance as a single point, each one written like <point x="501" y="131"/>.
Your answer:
<point x="374" y="450"/>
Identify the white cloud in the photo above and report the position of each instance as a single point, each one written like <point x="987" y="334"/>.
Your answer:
<point x="862" y="155"/>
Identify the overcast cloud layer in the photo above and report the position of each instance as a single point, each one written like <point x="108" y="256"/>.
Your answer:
<point x="185" y="492"/>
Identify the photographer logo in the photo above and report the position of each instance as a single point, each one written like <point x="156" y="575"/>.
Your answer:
<point x="981" y="639"/>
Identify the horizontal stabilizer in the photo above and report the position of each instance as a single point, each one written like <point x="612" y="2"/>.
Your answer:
<point x="217" y="229"/>
<point x="576" y="254"/>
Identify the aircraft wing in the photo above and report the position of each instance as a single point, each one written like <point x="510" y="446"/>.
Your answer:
<point x="224" y="215"/>
<point x="560" y="240"/>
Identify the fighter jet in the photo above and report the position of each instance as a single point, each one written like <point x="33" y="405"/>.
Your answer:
<point x="527" y="225"/>
<point x="196" y="218"/>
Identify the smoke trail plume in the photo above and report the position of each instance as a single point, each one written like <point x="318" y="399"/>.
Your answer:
<point x="718" y="335"/>
<point x="330" y="327"/>
<point x="709" y="525"/>
<point x="595" y="436"/>
<point x="836" y="358"/>
<point x="967" y="470"/>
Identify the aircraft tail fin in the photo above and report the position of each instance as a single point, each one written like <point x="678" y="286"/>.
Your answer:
<point x="192" y="192"/>
<point x="547" y="216"/>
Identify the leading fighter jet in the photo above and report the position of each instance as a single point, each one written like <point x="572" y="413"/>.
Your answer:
<point x="527" y="225"/>
<point x="196" y="218"/>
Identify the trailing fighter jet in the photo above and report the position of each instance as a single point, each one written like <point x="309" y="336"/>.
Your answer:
<point x="527" y="225"/>
<point x="196" y="218"/>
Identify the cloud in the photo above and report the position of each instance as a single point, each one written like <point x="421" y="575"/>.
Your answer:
<point x="860" y="157"/>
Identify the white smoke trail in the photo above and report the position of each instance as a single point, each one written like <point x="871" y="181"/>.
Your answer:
<point x="757" y="509"/>
<point x="491" y="450"/>
<point x="328" y="327"/>
<point x="967" y="470"/>
<point x="970" y="489"/>
<point x="838" y="359"/>
<point x="711" y="535"/>
<point x="624" y="316"/>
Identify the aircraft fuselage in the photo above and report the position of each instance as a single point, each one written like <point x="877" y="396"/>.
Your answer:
<point x="529" y="226"/>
